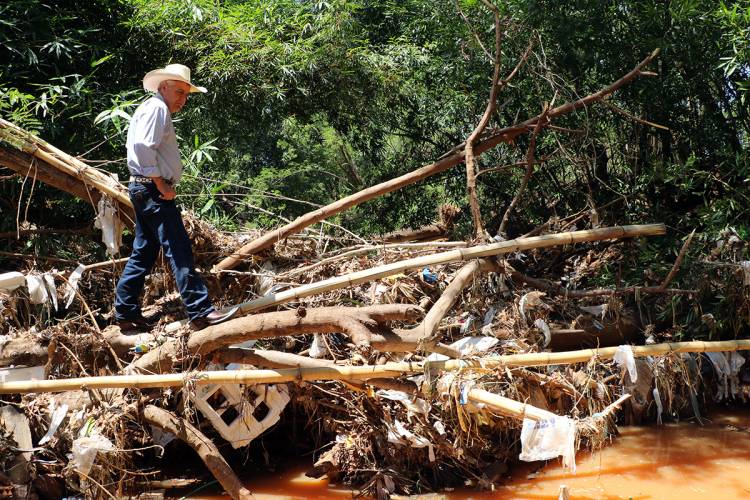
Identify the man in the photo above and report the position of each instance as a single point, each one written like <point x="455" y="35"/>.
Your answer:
<point x="155" y="168"/>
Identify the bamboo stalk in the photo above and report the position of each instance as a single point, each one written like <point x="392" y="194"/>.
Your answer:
<point x="460" y="254"/>
<point x="357" y="372"/>
<point x="41" y="149"/>
<point x="509" y="407"/>
<point x="368" y="249"/>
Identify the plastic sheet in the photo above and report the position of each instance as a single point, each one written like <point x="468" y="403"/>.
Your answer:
<point x="544" y="327"/>
<point x="37" y="289"/>
<point x="548" y="439"/>
<point x="413" y="404"/>
<point x="530" y="301"/>
<point x="72" y="285"/>
<point x="624" y="358"/>
<point x="467" y="346"/>
<point x="49" y="281"/>
<point x="85" y="450"/>
<point x="659" y="406"/>
<point x="10" y="281"/>
<point x="110" y="224"/>
<point x="399" y="434"/>
<point x="58" y="415"/>
<point x="317" y="348"/>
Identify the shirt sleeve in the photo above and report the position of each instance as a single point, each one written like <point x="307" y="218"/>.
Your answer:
<point x="149" y="132"/>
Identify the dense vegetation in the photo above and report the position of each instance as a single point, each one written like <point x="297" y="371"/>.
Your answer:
<point x="314" y="100"/>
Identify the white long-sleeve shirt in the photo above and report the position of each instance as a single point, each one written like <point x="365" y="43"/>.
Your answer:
<point x="152" y="142"/>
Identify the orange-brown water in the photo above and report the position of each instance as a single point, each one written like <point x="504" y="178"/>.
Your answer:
<point x="675" y="461"/>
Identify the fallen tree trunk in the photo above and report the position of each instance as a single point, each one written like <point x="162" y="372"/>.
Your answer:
<point x="358" y="372"/>
<point x="429" y="326"/>
<point x="624" y="328"/>
<point x="204" y="447"/>
<point x="503" y="247"/>
<point x="451" y="159"/>
<point x="447" y="214"/>
<point x="429" y="232"/>
<point x="364" y="325"/>
<point x="28" y="165"/>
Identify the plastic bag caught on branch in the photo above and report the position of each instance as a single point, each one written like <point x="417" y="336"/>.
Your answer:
<point x="548" y="439"/>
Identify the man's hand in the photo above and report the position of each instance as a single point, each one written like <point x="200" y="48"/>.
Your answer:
<point x="166" y="190"/>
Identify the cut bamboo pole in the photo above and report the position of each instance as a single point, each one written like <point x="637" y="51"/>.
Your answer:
<point x="509" y="407"/>
<point x="356" y="372"/>
<point x="368" y="249"/>
<point x="461" y="254"/>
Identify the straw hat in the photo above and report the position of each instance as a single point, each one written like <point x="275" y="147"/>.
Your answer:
<point x="178" y="72"/>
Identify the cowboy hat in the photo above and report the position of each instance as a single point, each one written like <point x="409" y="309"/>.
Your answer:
<point x="178" y="72"/>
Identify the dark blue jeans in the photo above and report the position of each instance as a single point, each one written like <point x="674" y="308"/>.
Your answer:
<point x="158" y="224"/>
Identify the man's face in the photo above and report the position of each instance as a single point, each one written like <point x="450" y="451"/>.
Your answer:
<point x="175" y="94"/>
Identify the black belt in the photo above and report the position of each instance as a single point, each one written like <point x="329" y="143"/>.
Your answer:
<point x="147" y="180"/>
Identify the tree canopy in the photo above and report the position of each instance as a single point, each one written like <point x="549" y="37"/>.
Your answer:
<point x="313" y="100"/>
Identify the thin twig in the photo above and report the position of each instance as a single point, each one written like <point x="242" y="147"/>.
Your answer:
<point x="473" y="31"/>
<point x="529" y="168"/>
<point x="634" y="118"/>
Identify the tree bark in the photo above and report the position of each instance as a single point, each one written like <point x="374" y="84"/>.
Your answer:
<point x="204" y="447"/>
<point x="364" y="325"/>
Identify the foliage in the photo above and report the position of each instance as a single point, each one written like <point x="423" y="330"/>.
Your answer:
<point x="311" y="101"/>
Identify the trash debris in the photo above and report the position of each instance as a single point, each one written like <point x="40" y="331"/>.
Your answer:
<point x="548" y="439"/>
<point x="428" y="276"/>
<point x="624" y="359"/>
<point x="37" y="286"/>
<point x="108" y="221"/>
<point x="58" y="414"/>
<point x="85" y="450"/>
<point x="243" y="403"/>
<point x="72" y="284"/>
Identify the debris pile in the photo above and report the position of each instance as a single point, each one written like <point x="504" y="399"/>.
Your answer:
<point x="387" y="410"/>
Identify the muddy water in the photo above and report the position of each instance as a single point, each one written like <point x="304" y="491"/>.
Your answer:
<point x="676" y="461"/>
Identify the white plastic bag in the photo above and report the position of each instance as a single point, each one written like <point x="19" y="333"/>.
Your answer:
<point x="544" y="327"/>
<point x="37" y="289"/>
<point x="548" y="439"/>
<point x="413" y="404"/>
<point x="467" y="346"/>
<point x="72" y="285"/>
<point x="317" y="348"/>
<point x="85" y="450"/>
<point x="49" y="280"/>
<point x="11" y="281"/>
<point x="624" y="357"/>
<point x="110" y="224"/>
<point x="58" y="414"/>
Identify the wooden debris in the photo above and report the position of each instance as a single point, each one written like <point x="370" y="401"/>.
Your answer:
<point x="359" y="372"/>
